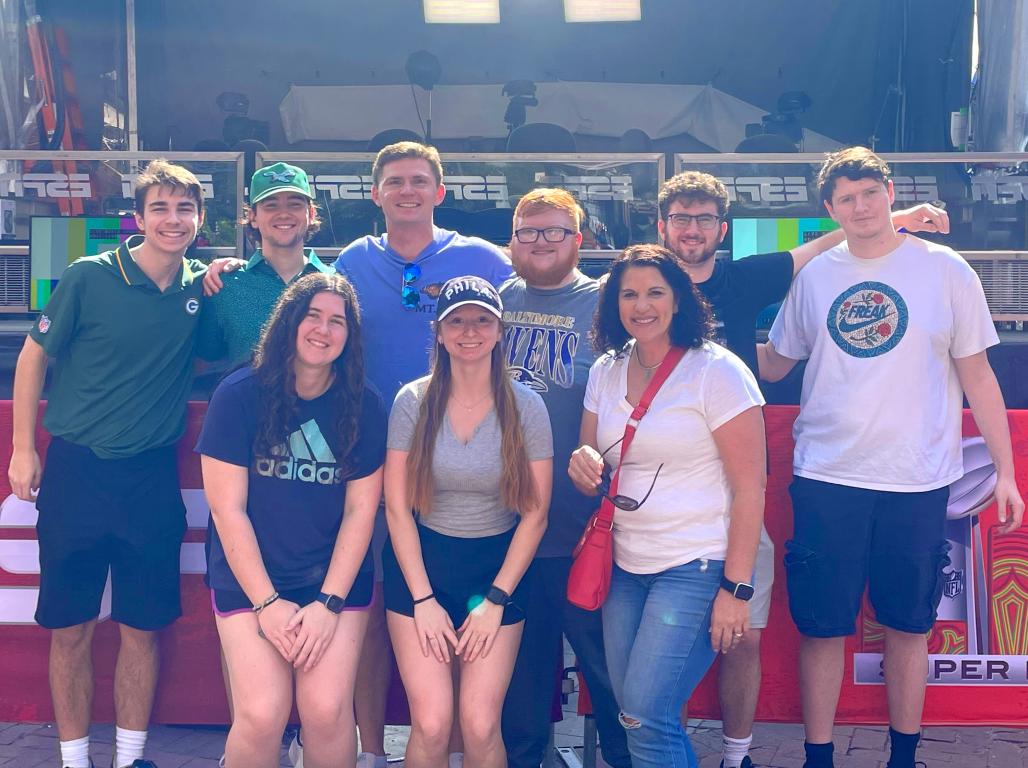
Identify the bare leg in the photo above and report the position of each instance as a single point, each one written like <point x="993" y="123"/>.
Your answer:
<point x="262" y="686"/>
<point x="71" y="679"/>
<point x="906" y="666"/>
<point x="373" y="675"/>
<point x="324" y="698"/>
<point x="228" y="684"/>
<point x="429" y="689"/>
<point x="821" y="667"/>
<point x="738" y="686"/>
<point x="483" y="687"/>
<point x="135" y="678"/>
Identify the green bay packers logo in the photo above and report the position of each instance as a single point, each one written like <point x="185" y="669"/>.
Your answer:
<point x="868" y="319"/>
<point x="192" y="306"/>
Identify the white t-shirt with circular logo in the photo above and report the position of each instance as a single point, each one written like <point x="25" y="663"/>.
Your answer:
<point x="881" y="402"/>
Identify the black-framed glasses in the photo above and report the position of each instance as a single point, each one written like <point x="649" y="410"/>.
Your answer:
<point x="627" y="503"/>
<point x="703" y="220"/>
<point x="409" y="295"/>
<point x="550" y="234"/>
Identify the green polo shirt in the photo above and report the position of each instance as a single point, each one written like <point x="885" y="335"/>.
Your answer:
<point x="231" y="321"/>
<point x="122" y="351"/>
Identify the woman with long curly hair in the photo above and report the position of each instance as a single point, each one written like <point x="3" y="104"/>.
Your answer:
<point x="688" y="498"/>
<point x="292" y="451"/>
<point x="471" y="455"/>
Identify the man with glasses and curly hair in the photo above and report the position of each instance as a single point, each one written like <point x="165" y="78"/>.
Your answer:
<point x="693" y="223"/>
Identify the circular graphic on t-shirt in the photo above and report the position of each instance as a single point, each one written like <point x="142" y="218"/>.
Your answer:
<point x="868" y="319"/>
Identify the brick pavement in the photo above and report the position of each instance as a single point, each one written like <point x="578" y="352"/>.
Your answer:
<point x="775" y="746"/>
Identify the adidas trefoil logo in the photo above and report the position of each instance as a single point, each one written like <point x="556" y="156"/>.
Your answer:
<point x="306" y="458"/>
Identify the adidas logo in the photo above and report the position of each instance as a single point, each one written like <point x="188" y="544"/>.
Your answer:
<point x="306" y="458"/>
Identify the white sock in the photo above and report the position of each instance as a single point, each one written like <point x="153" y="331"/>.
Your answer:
<point x="735" y="750"/>
<point x="75" y="753"/>
<point x="456" y="760"/>
<point x="128" y="746"/>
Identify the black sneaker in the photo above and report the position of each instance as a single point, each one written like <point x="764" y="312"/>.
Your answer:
<point x="139" y="763"/>
<point x="746" y="763"/>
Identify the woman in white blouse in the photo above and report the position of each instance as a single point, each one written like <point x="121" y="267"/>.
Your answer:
<point x="689" y="501"/>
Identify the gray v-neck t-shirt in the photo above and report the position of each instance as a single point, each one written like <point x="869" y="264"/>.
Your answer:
<point x="466" y="477"/>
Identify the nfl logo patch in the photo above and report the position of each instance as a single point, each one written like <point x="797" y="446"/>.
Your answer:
<point x="953" y="583"/>
<point x="44" y="323"/>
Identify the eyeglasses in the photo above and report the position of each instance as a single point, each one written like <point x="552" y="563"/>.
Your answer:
<point x="703" y="220"/>
<point x="627" y="503"/>
<point x="550" y="234"/>
<point x="409" y="295"/>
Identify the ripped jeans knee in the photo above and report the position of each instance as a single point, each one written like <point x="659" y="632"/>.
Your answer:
<point x="628" y="722"/>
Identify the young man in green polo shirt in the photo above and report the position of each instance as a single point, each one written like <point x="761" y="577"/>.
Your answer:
<point x="121" y="328"/>
<point x="280" y="218"/>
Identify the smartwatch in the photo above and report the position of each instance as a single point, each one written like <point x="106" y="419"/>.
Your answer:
<point x="497" y="596"/>
<point x="740" y="590"/>
<point x="333" y="602"/>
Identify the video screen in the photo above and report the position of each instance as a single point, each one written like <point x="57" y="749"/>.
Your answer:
<point x="750" y="236"/>
<point x="56" y="241"/>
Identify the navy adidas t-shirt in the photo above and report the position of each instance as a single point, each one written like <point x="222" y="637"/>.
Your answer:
<point x="295" y="495"/>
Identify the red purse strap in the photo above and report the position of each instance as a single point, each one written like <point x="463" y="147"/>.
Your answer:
<point x="605" y="516"/>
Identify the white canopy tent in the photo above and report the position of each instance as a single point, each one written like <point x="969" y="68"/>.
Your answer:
<point x="356" y="113"/>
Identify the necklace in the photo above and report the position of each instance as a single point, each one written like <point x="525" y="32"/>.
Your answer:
<point x="471" y="407"/>
<point x="647" y="369"/>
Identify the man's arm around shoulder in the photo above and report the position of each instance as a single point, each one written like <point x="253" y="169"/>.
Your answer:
<point x="25" y="470"/>
<point x="771" y="364"/>
<point x="990" y="413"/>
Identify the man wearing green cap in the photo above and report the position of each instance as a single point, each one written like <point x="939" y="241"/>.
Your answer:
<point x="279" y="219"/>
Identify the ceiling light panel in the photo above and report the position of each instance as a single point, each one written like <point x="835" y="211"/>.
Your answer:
<point x="602" y="10"/>
<point x="462" y="11"/>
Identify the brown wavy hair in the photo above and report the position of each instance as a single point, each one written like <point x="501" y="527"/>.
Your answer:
<point x="690" y="325"/>
<point x="273" y="366"/>
<point x="517" y="486"/>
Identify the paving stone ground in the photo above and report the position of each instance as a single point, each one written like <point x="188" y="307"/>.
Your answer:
<point x="24" y="745"/>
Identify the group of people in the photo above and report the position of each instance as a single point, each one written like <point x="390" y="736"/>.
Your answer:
<point x="412" y="441"/>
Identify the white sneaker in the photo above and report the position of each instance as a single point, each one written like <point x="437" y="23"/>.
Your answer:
<point x="371" y="760"/>
<point x="221" y="762"/>
<point x="456" y="760"/>
<point x="296" y="752"/>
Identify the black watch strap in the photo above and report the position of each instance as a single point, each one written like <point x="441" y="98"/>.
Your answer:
<point x="740" y="590"/>
<point x="333" y="602"/>
<point x="497" y="596"/>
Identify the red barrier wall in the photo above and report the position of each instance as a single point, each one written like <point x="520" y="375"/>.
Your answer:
<point x="191" y="689"/>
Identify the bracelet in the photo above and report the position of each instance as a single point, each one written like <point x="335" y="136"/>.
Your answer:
<point x="426" y="598"/>
<point x="265" y="602"/>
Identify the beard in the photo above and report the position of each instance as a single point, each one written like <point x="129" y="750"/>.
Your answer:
<point x="552" y="275"/>
<point x="696" y="255"/>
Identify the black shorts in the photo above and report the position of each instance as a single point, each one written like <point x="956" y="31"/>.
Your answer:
<point x="459" y="570"/>
<point x="229" y="601"/>
<point x="846" y="539"/>
<point x="125" y="515"/>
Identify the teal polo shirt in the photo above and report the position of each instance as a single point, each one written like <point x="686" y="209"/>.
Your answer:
<point x="122" y="352"/>
<point x="231" y="321"/>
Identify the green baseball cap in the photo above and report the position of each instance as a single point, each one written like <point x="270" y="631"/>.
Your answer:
<point x="280" y="177"/>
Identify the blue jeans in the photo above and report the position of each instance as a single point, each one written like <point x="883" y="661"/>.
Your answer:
<point x="656" y="631"/>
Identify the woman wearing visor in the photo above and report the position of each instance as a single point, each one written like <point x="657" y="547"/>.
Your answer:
<point x="689" y="494"/>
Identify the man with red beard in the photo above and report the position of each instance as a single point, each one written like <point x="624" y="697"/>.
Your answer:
<point x="693" y="223"/>
<point x="548" y="311"/>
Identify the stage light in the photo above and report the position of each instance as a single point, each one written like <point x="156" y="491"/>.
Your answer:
<point x="462" y="11"/>
<point x="602" y="10"/>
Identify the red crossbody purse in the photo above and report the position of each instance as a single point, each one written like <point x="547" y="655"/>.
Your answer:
<point x="589" y="578"/>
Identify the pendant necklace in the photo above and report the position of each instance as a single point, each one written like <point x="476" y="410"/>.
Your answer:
<point x="471" y="407"/>
<point x="647" y="369"/>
